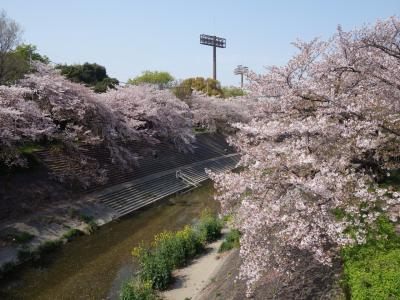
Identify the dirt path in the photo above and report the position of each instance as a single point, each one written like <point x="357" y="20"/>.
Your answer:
<point x="191" y="280"/>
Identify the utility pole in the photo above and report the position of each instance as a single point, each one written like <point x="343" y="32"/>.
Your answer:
<point x="215" y="42"/>
<point x="241" y="70"/>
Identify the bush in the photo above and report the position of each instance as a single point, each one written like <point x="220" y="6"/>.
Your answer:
<point x="377" y="277"/>
<point x="153" y="268"/>
<point x="232" y="240"/>
<point x="171" y="250"/>
<point x="49" y="246"/>
<point x="19" y="237"/>
<point x="25" y="254"/>
<point x="191" y="242"/>
<point x="232" y="91"/>
<point x="372" y="270"/>
<point x="209" y="227"/>
<point x="72" y="233"/>
<point x="207" y="86"/>
<point x="91" y="223"/>
<point x="137" y="290"/>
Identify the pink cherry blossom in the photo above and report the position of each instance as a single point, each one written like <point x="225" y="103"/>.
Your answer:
<point x="325" y="130"/>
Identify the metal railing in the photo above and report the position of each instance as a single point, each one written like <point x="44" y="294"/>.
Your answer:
<point x="180" y="175"/>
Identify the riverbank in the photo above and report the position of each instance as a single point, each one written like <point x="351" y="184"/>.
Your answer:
<point x="191" y="280"/>
<point x="54" y="224"/>
<point x="95" y="266"/>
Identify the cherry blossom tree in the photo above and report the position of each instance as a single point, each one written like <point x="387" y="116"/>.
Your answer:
<point x="45" y="106"/>
<point x="216" y="114"/>
<point x="325" y="131"/>
<point x="151" y="111"/>
<point x="20" y="120"/>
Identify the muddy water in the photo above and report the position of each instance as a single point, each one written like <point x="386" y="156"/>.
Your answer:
<point x="94" y="267"/>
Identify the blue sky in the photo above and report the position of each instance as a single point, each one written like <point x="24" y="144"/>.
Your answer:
<point x="128" y="37"/>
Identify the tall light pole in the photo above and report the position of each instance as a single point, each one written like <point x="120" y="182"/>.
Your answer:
<point x="241" y="70"/>
<point x="215" y="42"/>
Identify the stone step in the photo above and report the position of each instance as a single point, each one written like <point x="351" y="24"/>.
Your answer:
<point x="125" y="199"/>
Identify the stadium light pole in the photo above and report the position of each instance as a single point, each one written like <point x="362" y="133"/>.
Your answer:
<point x="215" y="42"/>
<point x="241" y="70"/>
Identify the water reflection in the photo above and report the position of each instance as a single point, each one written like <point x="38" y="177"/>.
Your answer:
<point x="93" y="267"/>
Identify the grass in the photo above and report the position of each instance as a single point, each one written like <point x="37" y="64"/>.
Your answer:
<point x="91" y="223"/>
<point x="31" y="148"/>
<point x="168" y="251"/>
<point x="372" y="270"/>
<point x="71" y="234"/>
<point x="18" y="237"/>
<point x="138" y="290"/>
<point x="25" y="254"/>
<point x="209" y="227"/>
<point x="232" y="240"/>
<point x="23" y="237"/>
<point x="49" y="246"/>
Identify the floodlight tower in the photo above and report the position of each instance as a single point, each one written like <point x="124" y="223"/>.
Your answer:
<point x="241" y="70"/>
<point x="215" y="42"/>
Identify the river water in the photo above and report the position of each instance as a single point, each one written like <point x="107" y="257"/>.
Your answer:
<point x="95" y="266"/>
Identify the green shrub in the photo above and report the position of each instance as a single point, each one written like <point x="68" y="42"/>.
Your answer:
<point x="175" y="248"/>
<point x="15" y="236"/>
<point x="372" y="270"/>
<point x="137" y="290"/>
<point x="91" y="223"/>
<point x="232" y="240"/>
<point x="170" y="247"/>
<point x="25" y="254"/>
<point x="377" y="277"/>
<point x="153" y="268"/>
<point x="171" y="250"/>
<point x="209" y="227"/>
<point x="49" y="246"/>
<point x="72" y="233"/>
<point x="191" y="242"/>
<point x="232" y="91"/>
<point x="23" y="237"/>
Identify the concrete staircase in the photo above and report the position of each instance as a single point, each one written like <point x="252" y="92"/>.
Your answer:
<point x="130" y="196"/>
<point x="155" y="177"/>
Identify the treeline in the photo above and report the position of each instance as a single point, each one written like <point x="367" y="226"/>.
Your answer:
<point x="17" y="60"/>
<point x="74" y="105"/>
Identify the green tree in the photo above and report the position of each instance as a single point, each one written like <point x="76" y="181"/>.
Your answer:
<point x="162" y="79"/>
<point x="18" y="62"/>
<point x="29" y="52"/>
<point x="10" y="36"/>
<point x="232" y="91"/>
<point x="207" y="86"/>
<point x="91" y="74"/>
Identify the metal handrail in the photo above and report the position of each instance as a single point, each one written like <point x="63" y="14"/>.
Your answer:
<point x="185" y="178"/>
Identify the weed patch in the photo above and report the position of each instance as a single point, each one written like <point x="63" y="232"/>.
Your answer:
<point x="168" y="251"/>
<point x="232" y="240"/>
<point x="72" y="233"/>
<point x="372" y="270"/>
<point x="138" y="290"/>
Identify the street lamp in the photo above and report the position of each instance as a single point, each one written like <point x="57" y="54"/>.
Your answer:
<point x="215" y="42"/>
<point x="241" y="70"/>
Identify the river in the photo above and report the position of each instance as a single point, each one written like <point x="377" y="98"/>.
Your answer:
<point x="95" y="266"/>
